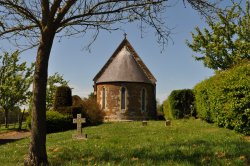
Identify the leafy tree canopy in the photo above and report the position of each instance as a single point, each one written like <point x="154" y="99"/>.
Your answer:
<point x="54" y="81"/>
<point x="227" y="41"/>
<point x="15" y="81"/>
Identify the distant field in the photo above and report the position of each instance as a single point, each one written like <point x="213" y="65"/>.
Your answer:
<point x="185" y="142"/>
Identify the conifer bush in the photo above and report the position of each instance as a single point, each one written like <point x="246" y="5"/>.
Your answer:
<point x="63" y="97"/>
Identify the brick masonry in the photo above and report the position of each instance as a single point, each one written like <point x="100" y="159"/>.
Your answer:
<point x="133" y="100"/>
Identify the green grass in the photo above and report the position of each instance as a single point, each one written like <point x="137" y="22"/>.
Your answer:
<point x="185" y="142"/>
<point x="12" y="127"/>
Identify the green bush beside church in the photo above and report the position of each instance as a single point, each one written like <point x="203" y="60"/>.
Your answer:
<point x="225" y="98"/>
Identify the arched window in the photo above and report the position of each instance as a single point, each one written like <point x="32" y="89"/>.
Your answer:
<point x="123" y="98"/>
<point x="103" y="98"/>
<point x="143" y="100"/>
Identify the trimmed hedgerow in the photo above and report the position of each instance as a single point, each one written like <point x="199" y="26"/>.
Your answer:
<point x="225" y="98"/>
<point x="63" y="97"/>
<point x="180" y="104"/>
<point x="56" y="122"/>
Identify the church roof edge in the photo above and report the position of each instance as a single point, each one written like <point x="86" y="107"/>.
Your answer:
<point x="148" y="76"/>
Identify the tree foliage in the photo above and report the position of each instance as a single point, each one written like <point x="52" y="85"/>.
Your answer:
<point x="54" y="81"/>
<point x="227" y="41"/>
<point x="15" y="80"/>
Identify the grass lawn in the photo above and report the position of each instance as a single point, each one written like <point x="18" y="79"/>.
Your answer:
<point x="185" y="142"/>
<point x="12" y="127"/>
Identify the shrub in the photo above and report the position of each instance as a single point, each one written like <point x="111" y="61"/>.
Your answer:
<point x="180" y="104"/>
<point x="93" y="111"/>
<point x="166" y="110"/>
<point x="70" y="110"/>
<point x="56" y="122"/>
<point x="225" y="98"/>
<point x="90" y="109"/>
<point x="77" y="101"/>
<point x="202" y="103"/>
<point x="63" y="97"/>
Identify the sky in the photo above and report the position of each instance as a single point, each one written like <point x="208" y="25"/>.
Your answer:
<point x="174" y="68"/>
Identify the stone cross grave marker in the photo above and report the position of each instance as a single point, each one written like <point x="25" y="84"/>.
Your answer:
<point x="79" y="120"/>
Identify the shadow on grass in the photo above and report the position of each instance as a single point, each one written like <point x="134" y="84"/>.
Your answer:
<point x="12" y="135"/>
<point x="5" y="141"/>
<point x="198" y="152"/>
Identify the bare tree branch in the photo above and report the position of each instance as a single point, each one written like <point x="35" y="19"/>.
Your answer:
<point x="62" y="12"/>
<point x="17" y="29"/>
<point x="72" y="17"/>
<point x="22" y="10"/>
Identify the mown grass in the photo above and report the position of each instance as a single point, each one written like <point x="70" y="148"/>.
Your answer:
<point x="12" y="127"/>
<point x="185" y="142"/>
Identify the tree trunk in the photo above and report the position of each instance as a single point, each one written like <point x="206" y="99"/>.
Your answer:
<point x="21" y="121"/>
<point x="6" y="118"/>
<point x="37" y="150"/>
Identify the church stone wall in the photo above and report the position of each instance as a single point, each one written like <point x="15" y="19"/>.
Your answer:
<point x="133" y="101"/>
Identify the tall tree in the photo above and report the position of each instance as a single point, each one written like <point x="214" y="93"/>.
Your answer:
<point x="39" y="22"/>
<point x="53" y="81"/>
<point x="15" y="80"/>
<point x="227" y="41"/>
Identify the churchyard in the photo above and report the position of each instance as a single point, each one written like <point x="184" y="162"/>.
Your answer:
<point x="184" y="142"/>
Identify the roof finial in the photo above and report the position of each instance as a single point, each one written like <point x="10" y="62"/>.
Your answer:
<point x="125" y="35"/>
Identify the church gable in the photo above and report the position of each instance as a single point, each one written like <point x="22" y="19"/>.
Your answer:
<point x="124" y="87"/>
<point x="125" y="66"/>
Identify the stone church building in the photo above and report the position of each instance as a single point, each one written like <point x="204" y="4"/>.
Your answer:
<point x="124" y="87"/>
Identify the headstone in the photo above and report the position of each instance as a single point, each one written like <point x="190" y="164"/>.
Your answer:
<point x="79" y="120"/>
<point x="167" y="123"/>
<point x="144" y="123"/>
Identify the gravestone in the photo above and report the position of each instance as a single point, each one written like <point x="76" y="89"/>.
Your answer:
<point x="167" y="123"/>
<point x="79" y="120"/>
<point x="144" y="123"/>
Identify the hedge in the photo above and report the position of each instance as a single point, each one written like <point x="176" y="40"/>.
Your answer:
<point x="179" y="104"/>
<point x="225" y="98"/>
<point x="56" y="122"/>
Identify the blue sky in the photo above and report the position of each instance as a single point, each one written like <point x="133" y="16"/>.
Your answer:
<point x="175" y="68"/>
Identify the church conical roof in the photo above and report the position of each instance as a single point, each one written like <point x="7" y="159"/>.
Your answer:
<point x="125" y="66"/>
